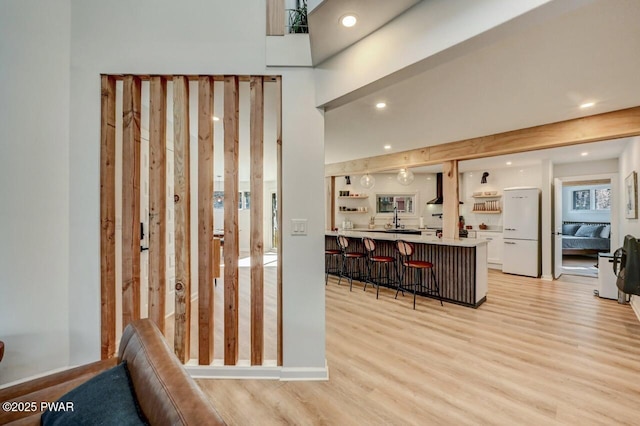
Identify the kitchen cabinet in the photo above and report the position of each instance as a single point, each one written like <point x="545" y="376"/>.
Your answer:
<point x="495" y="247"/>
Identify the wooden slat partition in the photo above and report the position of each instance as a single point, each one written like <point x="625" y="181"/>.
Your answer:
<point x="108" y="217"/>
<point x="231" y="246"/>
<point x="209" y="247"/>
<point x="451" y="203"/>
<point x="182" y="216"/>
<point x="157" y="200"/>
<point x="279" y="215"/>
<point x="205" y="220"/>
<point x="257" y="235"/>
<point x="275" y="17"/>
<point x="131" y="199"/>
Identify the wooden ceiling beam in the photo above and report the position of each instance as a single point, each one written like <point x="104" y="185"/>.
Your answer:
<point x="594" y="128"/>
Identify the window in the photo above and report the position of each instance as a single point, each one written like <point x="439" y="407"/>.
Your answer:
<point x="405" y="203"/>
<point x="582" y="199"/>
<point x="591" y="199"/>
<point x="218" y="199"/>
<point x="603" y="199"/>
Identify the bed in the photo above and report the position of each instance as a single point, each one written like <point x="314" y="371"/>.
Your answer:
<point x="585" y="237"/>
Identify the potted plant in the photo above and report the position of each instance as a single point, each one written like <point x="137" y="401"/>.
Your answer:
<point x="298" y="18"/>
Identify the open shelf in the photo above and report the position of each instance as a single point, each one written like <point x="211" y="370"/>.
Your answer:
<point x="487" y="196"/>
<point x="354" y="196"/>
<point x="487" y="211"/>
<point x="349" y="212"/>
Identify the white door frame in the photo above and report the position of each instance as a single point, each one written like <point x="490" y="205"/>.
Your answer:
<point x="615" y="203"/>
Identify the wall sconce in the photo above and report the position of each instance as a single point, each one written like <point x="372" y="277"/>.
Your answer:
<point x="484" y="177"/>
<point x="348" y="179"/>
<point x="367" y="181"/>
<point x="405" y="177"/>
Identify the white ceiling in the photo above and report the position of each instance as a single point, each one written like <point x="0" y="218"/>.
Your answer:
<point x="535" y="75"/>
<point x="329" y="38"/>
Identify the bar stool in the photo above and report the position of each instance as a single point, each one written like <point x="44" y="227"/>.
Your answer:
<point x="377" y="262"/>
<point x="331" y="257"/>
<point x="405" y="249"/>
<point x="351" y="260"/>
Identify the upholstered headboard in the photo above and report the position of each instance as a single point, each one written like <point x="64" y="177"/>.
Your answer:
<point x="606" y="227"/>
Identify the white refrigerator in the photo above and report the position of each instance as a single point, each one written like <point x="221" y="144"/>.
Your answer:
<point x="521" y="230"/>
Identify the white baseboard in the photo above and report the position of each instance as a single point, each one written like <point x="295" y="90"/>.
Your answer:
<point x="547" y="277"/>
<point x="635" y="305"/>
<point x="259" y="372"/>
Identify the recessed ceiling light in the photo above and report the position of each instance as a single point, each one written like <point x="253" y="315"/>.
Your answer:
<point x="216" y="118"/>
<point x="348" y="20"/>
<point x="387" y="147"/>
<point x="584" y="154"/>
<point x="381" y="105"/>
<point x="587" y="105"/>
<point x="508" y="163"/>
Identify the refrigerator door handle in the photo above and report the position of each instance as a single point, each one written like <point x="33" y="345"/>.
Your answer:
<point x="508" y="242"/>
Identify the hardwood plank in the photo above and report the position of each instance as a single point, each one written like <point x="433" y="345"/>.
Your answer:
<point x="536" y="352"/>
<point x="131" y="108"/>
<point x="257" y="235"/>
<point x="205" y="220"/>
<point x="107" y="217"/>
<point x="216" y="258"/>
<point x="275" y="17"/>
<point x="279" y="218"/>
<point x="182" y="216"/>
<point x="231" y="246"/>
<point x="157" y="200"/>
<point x="450" y="205"/>
<point x="600" y="127"/>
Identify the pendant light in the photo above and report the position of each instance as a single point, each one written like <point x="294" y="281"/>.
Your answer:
<point x="405" y="177"/>
<point x="219" y="198"/>
<point x="367" y="181"/>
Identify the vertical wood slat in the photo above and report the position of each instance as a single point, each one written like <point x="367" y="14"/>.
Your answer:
<point x="157" y="200"/>
<point x="257" y="224"/>
<point x="205" y="220"/>
<point x="275" y="17"/>
<point x="332" y="203"/>
<point x="279" y="215"/>
<point x="108" y="217"/>
<point x="450" y="205"/>
<point x="131" y="199"/>
<point x="231" y="249"/>
<point x="182" y="217"/>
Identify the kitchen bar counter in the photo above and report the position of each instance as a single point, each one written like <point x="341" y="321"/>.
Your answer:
<point x="460" y="265"/>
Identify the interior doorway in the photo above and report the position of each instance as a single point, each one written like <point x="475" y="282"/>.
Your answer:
<point x="585" y="222"/>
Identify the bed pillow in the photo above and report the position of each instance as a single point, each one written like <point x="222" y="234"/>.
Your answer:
<point x="592" y="231"/>
<point x="606" y="231"/>
<point x="106" y="399"/>
<point x="570" y="229"/>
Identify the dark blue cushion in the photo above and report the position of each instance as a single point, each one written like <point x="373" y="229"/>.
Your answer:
<point x="570" y="229"/>
<point x="106" y="399"/>
<point x="592" y="231"/>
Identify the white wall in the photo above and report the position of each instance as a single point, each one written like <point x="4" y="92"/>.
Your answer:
<point x="424" y="186"/>
<point x="629" y="162"/>
<point x="583" y="168"/>
<point x="497" y="180"/>
<point x="52" y="56"/>
<point x="34" y="186"/>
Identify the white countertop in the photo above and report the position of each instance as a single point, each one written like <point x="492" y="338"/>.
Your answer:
<point x="424" y="239"/>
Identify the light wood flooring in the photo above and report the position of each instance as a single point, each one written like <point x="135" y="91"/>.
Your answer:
<point x="536" y="352"/>
<point x="580" y="265"/>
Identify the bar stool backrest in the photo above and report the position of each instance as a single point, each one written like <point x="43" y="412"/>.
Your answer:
<point x="369" y="244"/>
<point x="343" y="242"/>
<point x="405" y="248"/>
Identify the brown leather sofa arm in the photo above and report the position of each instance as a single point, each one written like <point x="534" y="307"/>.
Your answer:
<point x="165" y="392"/>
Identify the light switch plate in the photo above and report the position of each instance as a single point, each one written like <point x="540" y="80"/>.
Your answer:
<point x="298" y="226"/>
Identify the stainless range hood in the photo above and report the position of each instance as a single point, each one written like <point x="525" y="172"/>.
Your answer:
<point x="439" y="198"/>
